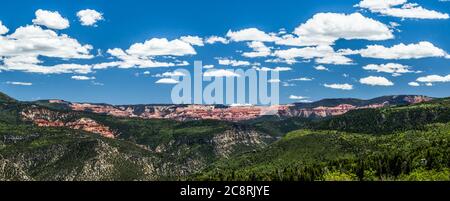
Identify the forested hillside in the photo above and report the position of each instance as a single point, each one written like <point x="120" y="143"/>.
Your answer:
<point x="47" y="141"/>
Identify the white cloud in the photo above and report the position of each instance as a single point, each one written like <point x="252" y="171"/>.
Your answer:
<point x="401" y="8"/>
<point x="434" y="78"/>
<point x="287" y="84"/>
<point x="170" y="74"/>
<point x="327" y="28"/>
<point x="142" y="54"/>
<point x="414" y="84"/>
<point x="220" y="73"/>
<point x="193" y="40"/>
<point x="251" y="34"/>
<point x="20" y="51"/>
<point x="291" y="40"/>
<point x="208" y="66"/>
<point x="276" y="69"/>
<point x="20" y="83"/>
<point x="305" y="79"/>
<point x="321" y="68"/>
<point x="216" y="39"/>
<point x="89" y="17"/>
<point x="274" y="81"/>
<point x="161" y="47"/>
<point x="294" y="97"/>
<point x="3" y="29"/>
<point x="376" y="81"/>
<point x="339" y="86"/>
<point x="167" y="81"/>
<point x="280" y="60"/>
<point x="401" y="51"/>
<point x="323" y="54"/>
<point x="55" y="69"/>
<point x="334" y="59"/>
<point x="229" y="62"/>
<point x="34" y="41"/>
<point x="259" y="50"/>
<point x="82" y="77"/>
<point x="393" y="68"/>
<point x="132" y="62"/>
<point x="146" y="73"/>
<point x="52" y="20"/>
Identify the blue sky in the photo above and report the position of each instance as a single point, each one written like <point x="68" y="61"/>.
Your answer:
<point x="49" y="49"/>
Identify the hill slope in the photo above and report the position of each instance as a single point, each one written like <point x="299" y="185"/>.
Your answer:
<point x="51" y="143"/>
<point x="48" y="141"/>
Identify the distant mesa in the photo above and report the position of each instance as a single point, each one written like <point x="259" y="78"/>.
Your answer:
<point x="322" y="108"/>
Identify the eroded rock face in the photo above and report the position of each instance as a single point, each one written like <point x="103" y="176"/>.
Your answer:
<point x="95" y="161"/>
<point x="226" y="142"/>
<point x="92" y="126"/>
<point x="47" y="118"/>
<point x="235" y="113"/>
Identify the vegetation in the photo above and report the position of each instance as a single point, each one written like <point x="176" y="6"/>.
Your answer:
<point x="408" y="142"/>
<point x="334" y="155"/>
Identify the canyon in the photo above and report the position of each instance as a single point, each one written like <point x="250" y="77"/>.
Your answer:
<point x="243" y="113"/>
<point x="43" y="117"/>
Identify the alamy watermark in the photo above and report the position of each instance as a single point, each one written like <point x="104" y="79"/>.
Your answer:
<point x="229" y="87"/>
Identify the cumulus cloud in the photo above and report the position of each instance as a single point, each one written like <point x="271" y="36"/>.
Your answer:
<point x="302" y="79"/>
<point x="259" y="50"/>
<point x="193" y="40"/>
<point x="220" y="73"/>
<point x="334" y="59"/>
<point x="401" y="8"/>
<point x="216" y="39"/>
<point x="34" y="41"/>
<point x="339" y="86"/>
<point x="376" y="81"/>
<point x="323" y="54"/>
<point x="142" y="55"/>
<point x="52" y="20"/>
<point x="82" y="77"/>
<point x="434" y="78"/>
<point x="20" y="51"/>
<point x="89" y="17"/>
<point x="170" y="74"/>
<point x="294" y="97"/>
<point x="167" y="81"/>
<point x="161" y="47"/>
<point x="231" y="62"/>
<point x="274" y="81"/>
<point x="3" y="29"/>
<point x="321" y="68"/>
<point x="276" y="69"/>
<point x="414" y="84"/>
<point x="251" y="34"/>
<point x="401" y="51"/>
<point x="327" y="28"/>
<point x="208" y="66"/>
<point x="392" y="68"/>
<point x="54" y="69"/>
<point x="19" y="83"/>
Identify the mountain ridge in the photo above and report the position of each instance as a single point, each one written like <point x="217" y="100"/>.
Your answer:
<point x="46" y="141"/>
<point x="183" y="112"/>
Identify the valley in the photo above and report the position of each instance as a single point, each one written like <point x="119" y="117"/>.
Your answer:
<point x="387" y="138"/>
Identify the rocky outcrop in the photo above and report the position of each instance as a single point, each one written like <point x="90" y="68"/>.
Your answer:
<point x="92" y="160"/>
<point x="242" y="113"/>
<point x="227" y="142"/>
<point x="47" y="118"/>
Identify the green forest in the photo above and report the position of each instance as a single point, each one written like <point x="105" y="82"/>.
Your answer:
<point x="405" y="143"/>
